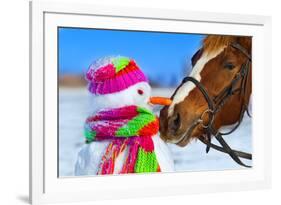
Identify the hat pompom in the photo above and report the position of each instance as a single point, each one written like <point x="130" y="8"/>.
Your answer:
<point x="104" y="73"/>
<point x="96" y="66"/>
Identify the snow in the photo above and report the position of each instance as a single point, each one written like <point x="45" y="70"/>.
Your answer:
<point x="74" y="107"/>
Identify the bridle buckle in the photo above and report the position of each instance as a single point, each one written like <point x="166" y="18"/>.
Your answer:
<point x="211" y="118"/>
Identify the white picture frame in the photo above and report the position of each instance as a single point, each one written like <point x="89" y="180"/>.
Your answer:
<point x="46" y="187"/>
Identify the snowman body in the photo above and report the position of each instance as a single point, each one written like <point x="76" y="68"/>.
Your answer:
<point x="90" y="155"/>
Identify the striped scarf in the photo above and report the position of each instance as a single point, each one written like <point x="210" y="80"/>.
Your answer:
<point x="129" y="127"/>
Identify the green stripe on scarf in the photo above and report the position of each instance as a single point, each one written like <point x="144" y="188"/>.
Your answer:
<point x="146" y="162"/>
<point x="89" y="135"/>
<point x="134" y="126"/>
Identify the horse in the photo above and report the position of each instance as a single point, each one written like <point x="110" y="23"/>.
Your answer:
<point x="215" y="94"/>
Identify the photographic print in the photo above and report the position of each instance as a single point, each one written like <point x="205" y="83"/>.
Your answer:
<point x="145" y="102"/>
<point x="120" y="97"/>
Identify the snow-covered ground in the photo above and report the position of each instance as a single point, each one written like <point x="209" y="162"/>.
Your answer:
<point x="74" y="107"/>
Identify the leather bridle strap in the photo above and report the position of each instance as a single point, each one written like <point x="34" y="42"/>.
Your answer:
<point x="231" y="153"/>
<point x="202" y="89"/>
<point x="242" y="49"/>
<point x="241" y="154"/>
<point x="227" y="149"/>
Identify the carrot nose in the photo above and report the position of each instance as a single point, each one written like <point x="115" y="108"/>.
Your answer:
<point x="160" y="101"/>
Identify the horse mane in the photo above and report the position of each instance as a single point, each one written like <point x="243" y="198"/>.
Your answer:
<point x="213" y="43"/>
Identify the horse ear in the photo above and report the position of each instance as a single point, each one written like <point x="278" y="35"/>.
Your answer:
<point x="246" y="42"/>
<point x="196" y="56"/>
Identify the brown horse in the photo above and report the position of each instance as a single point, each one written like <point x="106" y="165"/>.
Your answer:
<point x="216" y="93"/>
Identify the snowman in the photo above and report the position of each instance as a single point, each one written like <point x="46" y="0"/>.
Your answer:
<point x="121" y="134"/>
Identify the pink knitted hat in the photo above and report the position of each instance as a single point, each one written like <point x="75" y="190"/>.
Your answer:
<point x="113" y="74"/>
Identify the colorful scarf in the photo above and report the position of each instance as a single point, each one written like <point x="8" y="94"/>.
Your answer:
<point x="131" y="127"/>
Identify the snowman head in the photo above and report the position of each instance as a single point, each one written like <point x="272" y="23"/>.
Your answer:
<point x="117" y="82"/>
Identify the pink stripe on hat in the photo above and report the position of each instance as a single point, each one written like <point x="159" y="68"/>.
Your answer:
<point x="117" y="84"/>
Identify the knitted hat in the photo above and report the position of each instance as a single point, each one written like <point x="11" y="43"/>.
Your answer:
<point x="113" y="74"/>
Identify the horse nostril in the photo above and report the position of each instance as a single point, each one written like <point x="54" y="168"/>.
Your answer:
<point x="175" y="122"/>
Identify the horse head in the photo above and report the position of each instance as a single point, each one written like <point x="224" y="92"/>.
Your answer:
<point x="215" y="66"/>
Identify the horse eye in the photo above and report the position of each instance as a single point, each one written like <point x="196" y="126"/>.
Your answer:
<point x="229" y="66"/>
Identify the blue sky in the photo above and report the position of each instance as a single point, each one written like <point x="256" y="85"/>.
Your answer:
<point x="162" y="56"/>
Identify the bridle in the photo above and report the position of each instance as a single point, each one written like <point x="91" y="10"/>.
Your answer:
<point x="216" y="103"/>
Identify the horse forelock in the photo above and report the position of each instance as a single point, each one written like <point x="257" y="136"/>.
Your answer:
<point x="185" y="88"/>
